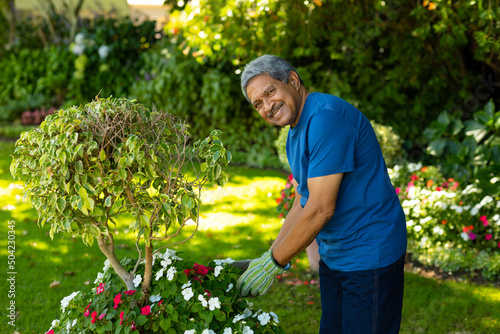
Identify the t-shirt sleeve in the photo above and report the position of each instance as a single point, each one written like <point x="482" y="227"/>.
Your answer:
<point x="331" y="144"/>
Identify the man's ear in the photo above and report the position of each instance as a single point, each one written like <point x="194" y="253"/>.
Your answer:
<point x="294" y="80"/>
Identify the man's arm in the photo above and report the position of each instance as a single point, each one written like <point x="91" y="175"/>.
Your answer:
<point x="305" y="223"/>
<point x="294" y="211"/>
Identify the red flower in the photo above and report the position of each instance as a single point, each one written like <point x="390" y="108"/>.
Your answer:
<point x="439" y="188"/>
<point x="86" y="312"/>
<point x="130" y="292"/>
<point x="278" y="200"/>
<point x="488" y="236"/>
<point x="414" y="177"/>
<point x="50" y="332"/>
<point x="443" y="222"/>
<point x="467" y="229"/>
<point x="209" y="294"/>
<point x="484" y="219"/>
<point x="100" y="289"/>
<point x="117" y="300"/>
<point x="146" y="310"/>
<point x="281" y="215"/>
<point x="202" y="270"/>
<point x="187" y="271"/>
<point x="121" y="317"/>
<point x="161" y="301"/>
<point x="94" y="316"/>
<point x="290" y="177"/>
<point x="132" y="327"/>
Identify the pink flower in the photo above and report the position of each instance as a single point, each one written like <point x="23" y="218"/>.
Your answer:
<point x="102" y="316"/>
<point x="488" y="236"/>
<point x="121" y="317"/>
<point x="117" y="300"/>
<point x="398" y="190"/>
<point x="484" y="219"/>
<point x="50" y="332"/>
<point x="132" y="327"/>
<point x="281" y="215"/>
<point x="130" y="292"/>
<point x="499" y="245"/>
<point x="288" y="185"/>
<point x="161" y="301"/>
<point x="290" y="177"/>
<point x="472" y="236"/>
<point x="100" y="289"/>
<point x="86" y="313"/>
<point x="146" y="310"/>
<point x="200" y="269"/>
<point x="414" y="177"/>
<point x="209" y="294"/>
<point x="94" y="316"/>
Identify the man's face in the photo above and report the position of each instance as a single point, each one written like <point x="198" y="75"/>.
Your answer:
<point x="277" y="103"/>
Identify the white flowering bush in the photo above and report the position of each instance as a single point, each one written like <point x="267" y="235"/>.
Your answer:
<point x="449" y="226"/>
<point x="186" y="297"/>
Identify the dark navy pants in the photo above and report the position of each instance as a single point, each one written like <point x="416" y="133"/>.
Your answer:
<point x="364" y="302"/>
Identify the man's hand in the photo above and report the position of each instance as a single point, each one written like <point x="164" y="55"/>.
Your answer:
<point x="259" y="276"/>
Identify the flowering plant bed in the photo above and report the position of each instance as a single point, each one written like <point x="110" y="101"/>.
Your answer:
<point x="449" y="226"/>
<point x="185" y="297"/>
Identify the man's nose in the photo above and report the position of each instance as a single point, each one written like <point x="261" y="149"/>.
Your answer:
<point x="268" y="106"/>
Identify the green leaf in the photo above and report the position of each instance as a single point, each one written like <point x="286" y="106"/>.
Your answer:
<point x="79" y="167"/>
<point x="141" y="320"/>
<point x="204" y="166"/>
<point x="108" y="201"/>
<point x="165" y="323"/>
<point x="118" y="329"/>
<point x="61" y="204"/>
<point x="102" y="155"/>
<point x="436" y="147"/>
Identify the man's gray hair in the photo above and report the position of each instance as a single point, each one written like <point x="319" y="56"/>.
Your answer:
<point x="274" y="66"/>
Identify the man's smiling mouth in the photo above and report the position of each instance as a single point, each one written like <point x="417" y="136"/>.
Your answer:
<point x="276" y="111"/>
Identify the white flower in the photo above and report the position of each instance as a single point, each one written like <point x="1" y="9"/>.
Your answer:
<point x="159" y="274"/>
<point x="79" y="38"/>
<point x="474" y="211"/>
<point x="496" y="217"/>
<point x="275" y="317"/>
<point x="208" y="331"/>
<point x="154" y="298"/>
<point x="229" y="287"/>
<point x="166" y="262"/>
<point x="425" y="220"/>
<point x="410" y="223"/>
<point x="171" y="273"/>
<point x="187" y="285"/>
<point x="221" y="262"/>
<point x="103" y="51"/>
<point x="412" y="167"/>
<point x="187" y="293"/>
<point x="78" y="49"/>
<point x="438" y="230"/>
<point x="417" y="228"/>
<point x="190" y="331"/>
<point x="137" y="280"/>
<point x="65" y="301"/>
<point x="55" y="323"/>
<point x="107" y="265"/>
<point x="217" y="270"/>
<point x="464" y="236"/>
<point x="247" y="330"/>
<point x="264" y="318"/>
<point x="228" y="330"/>
<point x="213" y="303"/>
<point x="99" y="278"/>
<point x="202" y="300"/>
<point x="170" y="253"/>
<point x="486" y="200"/>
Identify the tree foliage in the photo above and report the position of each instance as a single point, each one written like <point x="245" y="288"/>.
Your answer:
<point x="85" y="166"/>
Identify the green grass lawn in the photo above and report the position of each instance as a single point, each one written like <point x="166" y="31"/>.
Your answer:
<point x="238" y="221"/>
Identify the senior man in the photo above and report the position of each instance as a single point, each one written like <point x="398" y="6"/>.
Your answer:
<point x="344" y="199"/>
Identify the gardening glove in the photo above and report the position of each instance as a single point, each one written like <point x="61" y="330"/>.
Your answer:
<point x="259" y="276"/>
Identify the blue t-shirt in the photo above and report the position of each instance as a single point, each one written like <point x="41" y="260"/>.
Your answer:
<point x="368" y="228"/>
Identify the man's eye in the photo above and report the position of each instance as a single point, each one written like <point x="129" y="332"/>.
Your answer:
<point x="257" y="105"/>
<point x="271" y="91"/>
